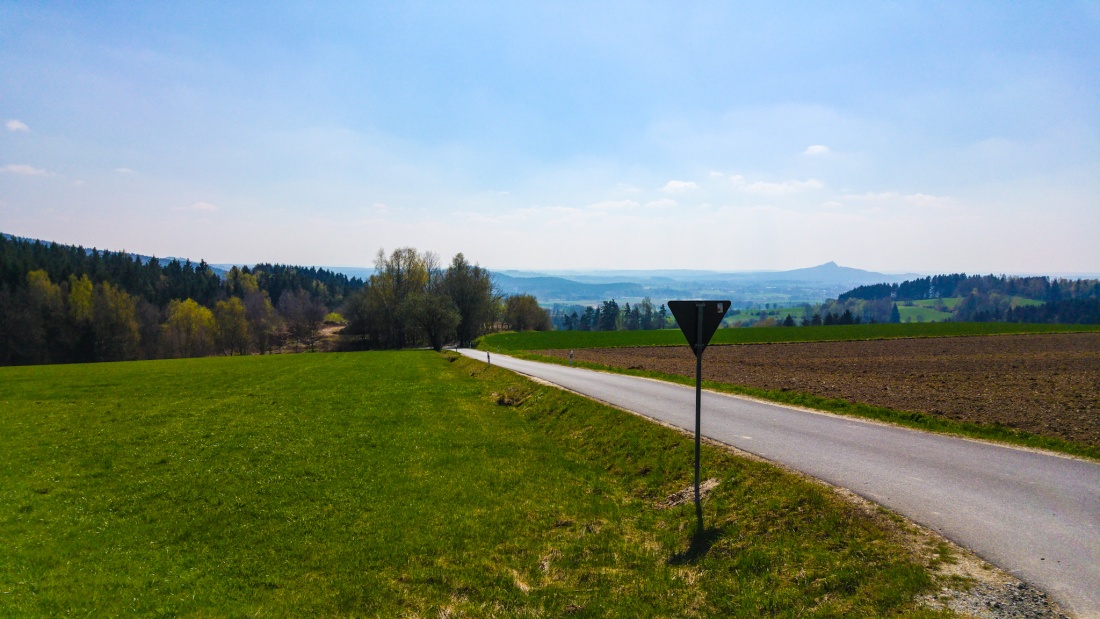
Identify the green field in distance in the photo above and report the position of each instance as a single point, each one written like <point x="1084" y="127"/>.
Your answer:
<point x="547" y="340"/>
<point x="401" y="484"/>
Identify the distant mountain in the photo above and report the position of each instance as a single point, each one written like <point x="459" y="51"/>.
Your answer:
<point x="832" y="273"/>
<point x="828" y="273"/>
<point x="564" y="290"/>
<point x="745" y="288"/>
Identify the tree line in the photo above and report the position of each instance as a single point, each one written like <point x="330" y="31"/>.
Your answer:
<point x="66" y="304"/>
<point x="961" y="284"/>
<point x="984" y="298"/>
<point x="411" y="300"/>
<point x="609" y="316"/>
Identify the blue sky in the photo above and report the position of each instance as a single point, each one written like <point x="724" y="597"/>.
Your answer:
<point x="926" y="137"/>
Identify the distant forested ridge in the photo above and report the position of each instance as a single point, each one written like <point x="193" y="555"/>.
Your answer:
<point x="64" y="303"/>
<point x="68" y="304"/>
<point x="983" y="298"/>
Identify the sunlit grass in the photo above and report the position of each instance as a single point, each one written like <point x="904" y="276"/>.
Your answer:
<point x="398" y="484"/>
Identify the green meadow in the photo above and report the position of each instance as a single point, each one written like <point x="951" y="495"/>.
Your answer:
<point x="405" y="484"/>
<point x="925" y="310"/>
<point x="919" y="313"/>
<point x="548" y="340"/>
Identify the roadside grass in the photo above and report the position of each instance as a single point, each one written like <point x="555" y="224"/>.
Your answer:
<point x="911" y="419"/>
<point x="546" y="340"/>
<point x="402" y="484"/>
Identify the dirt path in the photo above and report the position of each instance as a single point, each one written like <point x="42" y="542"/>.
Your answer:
<point x="1047" y="384"/>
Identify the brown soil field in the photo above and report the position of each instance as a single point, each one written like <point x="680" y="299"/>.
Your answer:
<point x="1046" y="384"/>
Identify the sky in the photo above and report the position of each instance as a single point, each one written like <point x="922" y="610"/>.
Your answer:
<point x="892" y="136"/>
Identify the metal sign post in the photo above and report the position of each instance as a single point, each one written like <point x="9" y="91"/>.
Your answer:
<point x="698" y="320"/>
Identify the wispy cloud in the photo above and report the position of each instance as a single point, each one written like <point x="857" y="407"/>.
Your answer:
<point x="663" y="203"/>
<point x="124" y="170"/>
<point x="16" y="125"/>
<point x="204" y="207"/>
<point x="679" y="186"/>
<point x="817" y="149"/>
<point x="775" y="189"/>
<point x="21" y="169"/>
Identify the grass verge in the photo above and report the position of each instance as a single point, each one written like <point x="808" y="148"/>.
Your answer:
<point x="546" y="340"/>
<point x="402" y="484"/>
<point x="909" y="419"/>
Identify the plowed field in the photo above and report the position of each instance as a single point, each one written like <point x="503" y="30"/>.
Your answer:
<point x="1045" y="384"/>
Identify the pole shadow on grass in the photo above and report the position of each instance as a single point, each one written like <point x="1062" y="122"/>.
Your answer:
<point x="702" y="539"/>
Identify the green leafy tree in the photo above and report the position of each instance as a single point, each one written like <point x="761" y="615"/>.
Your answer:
<point x="232" y="326"/>
<point x="397" y="278"/>
<point x="304" y="316"/>
<point x="114" y="320"/>
<point x="471" y="289"/>
<point x="51" y="327"/>
<point x="435" y="314"/>
<point x="189" y="330"/>
<point x="80" y="304"/>
<point x="522" y="313"/>
<point x="609" y="316"/>
<point x="263" y="321"/>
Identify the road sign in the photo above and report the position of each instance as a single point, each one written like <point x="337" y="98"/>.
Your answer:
<point x="698" y="320"/>
<point x="689" y="317"/>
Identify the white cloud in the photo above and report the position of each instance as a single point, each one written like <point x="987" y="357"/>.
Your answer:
<point x="817" y="149"/>
<point x="124" y="170"/>
<point x="22" y="170"/>
<point x="205" y="207"/>
<point x="775" y="189"/>
<point x="16" y="125"/>
<point x="664" y="203"/>
<point x="678" y="186"/>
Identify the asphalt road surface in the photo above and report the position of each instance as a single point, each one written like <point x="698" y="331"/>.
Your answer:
<point x="1033" y="514"/>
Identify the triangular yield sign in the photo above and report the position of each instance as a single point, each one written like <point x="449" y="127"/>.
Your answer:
<point x="687" y="316"/>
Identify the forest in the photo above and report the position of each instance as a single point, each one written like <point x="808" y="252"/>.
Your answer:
<point x="68" y="304"/>
<point x="609" y="316"/>
<point x="982" y="298"/>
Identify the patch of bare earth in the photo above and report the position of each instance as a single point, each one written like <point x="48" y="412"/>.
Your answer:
<point x="1048" y="384"/>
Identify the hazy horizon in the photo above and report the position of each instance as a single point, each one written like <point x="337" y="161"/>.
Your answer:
<point x="928" y="138"/>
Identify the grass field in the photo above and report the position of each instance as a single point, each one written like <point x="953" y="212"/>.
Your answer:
<point x="401" y="484"/>
<point x="918" y="313"/>
<point x="547" y="340"/>
<point x="924" y="310"/>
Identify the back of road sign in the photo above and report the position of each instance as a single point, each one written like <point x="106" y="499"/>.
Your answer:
<point x="687" y="316"/>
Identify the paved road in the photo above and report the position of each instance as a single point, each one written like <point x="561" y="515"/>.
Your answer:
<point x="1034" y="515"/>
